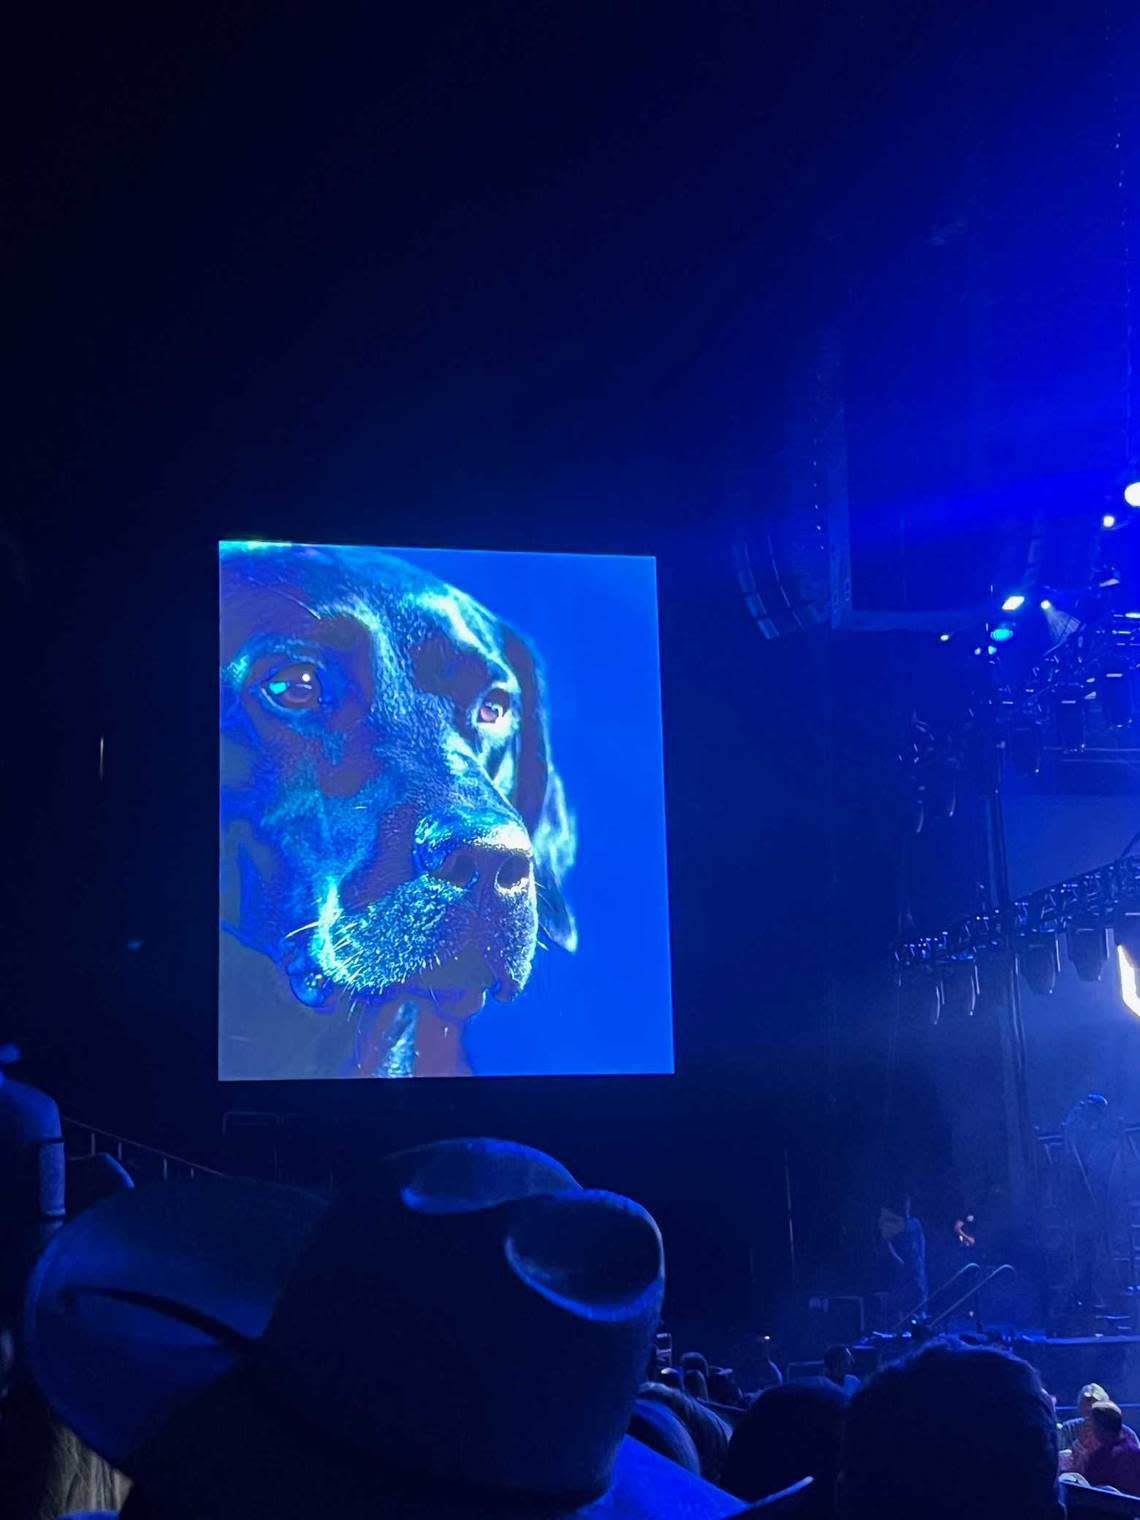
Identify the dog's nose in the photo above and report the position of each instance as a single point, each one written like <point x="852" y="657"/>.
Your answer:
<point x="503" y="871"/>
<point x="495" y="859"/>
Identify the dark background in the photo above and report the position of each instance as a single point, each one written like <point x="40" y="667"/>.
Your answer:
<point x="608" y="278"/>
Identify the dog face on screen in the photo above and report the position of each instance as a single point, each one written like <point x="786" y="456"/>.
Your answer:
<point x="394" y="833"/>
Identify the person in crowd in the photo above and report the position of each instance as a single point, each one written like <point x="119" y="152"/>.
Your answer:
<point x="663" y="1431"/>
<point x="242" y="1349"/>
<point x="751" y="1357"/>
<point x="1069" y="1431"/>
<point x="1113" y="1451"/>
<point x="709" y="1432"/>
<point x="950" y="1431"/>
<point x="696" y="1361"/>
<point x="671" y="1377"/>
<point x="790" y="1432"/>
<point x="839" y="1368"/>
<point x="695" y="1384"/>
<point x="45" y="1469"/>
<point x="724" y="1389"/>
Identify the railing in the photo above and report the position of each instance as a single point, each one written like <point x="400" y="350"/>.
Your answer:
<point x="144" y="1162"/>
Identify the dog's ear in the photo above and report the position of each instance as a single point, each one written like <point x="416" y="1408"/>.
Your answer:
<point x="541" y="798"/>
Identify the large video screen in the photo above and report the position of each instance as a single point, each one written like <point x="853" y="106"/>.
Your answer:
<point x="442" y="815"/>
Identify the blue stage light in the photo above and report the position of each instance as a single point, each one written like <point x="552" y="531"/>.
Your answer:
<point x="1108" y="520"/>
<point x="944" y="638"/>
<point x="1046" y="604"/>
<point x="1002" y="633"/>
<point x="992" y="649"/>
<point x="1132" y="493"/>
<point x="1013" y="602"/>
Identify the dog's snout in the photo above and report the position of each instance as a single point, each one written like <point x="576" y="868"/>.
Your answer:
<point x="487" y="866"/>
<point x="473" y="853"/>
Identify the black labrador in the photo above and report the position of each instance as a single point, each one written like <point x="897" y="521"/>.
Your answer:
<point x="394" y="836"/>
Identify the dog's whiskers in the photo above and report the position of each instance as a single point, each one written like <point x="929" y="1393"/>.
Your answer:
<point x="300" y="929"/>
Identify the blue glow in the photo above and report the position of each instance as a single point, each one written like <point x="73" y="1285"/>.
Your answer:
<point x="245" y="545"/>
<point x="944" y="638"/>
<point x="1132" y="493"/>
<point x="1135" y="616"/>
<point x="1046" y="604"/>
<point x="1129" y="983"/>
<point x="1013" y="602"/>
<point x="347" y="947"/>
<point x="1002" y="633"/>
<point x="992" y="649"/>
<point x="1108" y="520"/>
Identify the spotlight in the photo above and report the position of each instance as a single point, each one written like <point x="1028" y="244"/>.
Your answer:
<point x="1088" y="951"/>
<point x="960" y="990"/>
<point x="1039" y="961"/>
<point x="944" y="638"/>
<point x="1026" y="748"/>
<point x="1132" y="493"/>
<point x="1127" y="935"/>
<point x="1046" y="604"/>
<point x="923" y="995"/>
<point x="1013" y="602"/>
<point x="1108" y="520"/>
<point x="1002" y="633"/>
<point x="1115" y="689"/>
<point x="991" y="649"/>
<point x="1135" y="616"/>
<point x="1071" y="718"/>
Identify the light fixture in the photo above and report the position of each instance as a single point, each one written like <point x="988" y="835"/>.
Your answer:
<point x="923" y="994"/>
<point x="1129" y="983"/>
<point x="1126" y="932"/>
<point x="1106" y="575"/>
<point x="1046" y="604"/>
<point x="1108" y="520"/>
<point x="1001" y="634"/>
<point x="1135" y="616"/>
<point x="1013" y="602"/>
<point x="1132" y="493"/>
<point x="1088" y="950"/>
<point x="944" y="638"/>
<point x="1039" y="961"/>
<point x="960" y="990"/>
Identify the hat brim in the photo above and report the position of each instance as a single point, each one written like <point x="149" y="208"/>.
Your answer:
<point x="236" y="1449"/>
<point x="131" y="1312"/>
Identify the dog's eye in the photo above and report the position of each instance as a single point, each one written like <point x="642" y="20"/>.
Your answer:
<point x="494" y="707"/>
<point x="296" y="688"/>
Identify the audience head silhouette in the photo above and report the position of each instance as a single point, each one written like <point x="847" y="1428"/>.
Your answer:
<point x="952" y="1431"/>
<point x="790" y="1432"/>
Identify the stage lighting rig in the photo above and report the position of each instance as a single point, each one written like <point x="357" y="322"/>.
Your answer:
<point x="960" y="989"/>
<point x="1029" y="930"/>
<point x="1088" y="950"/>
<point x="1039" y="961"/>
